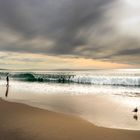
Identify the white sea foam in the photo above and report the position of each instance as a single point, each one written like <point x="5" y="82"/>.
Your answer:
<point x="100" y="77"/>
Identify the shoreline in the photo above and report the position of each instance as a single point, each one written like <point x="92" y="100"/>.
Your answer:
<point x="103" y="110"/>
<point x="22" y="122"/>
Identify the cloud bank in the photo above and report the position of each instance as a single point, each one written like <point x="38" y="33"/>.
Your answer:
<point x="105" y="30"/>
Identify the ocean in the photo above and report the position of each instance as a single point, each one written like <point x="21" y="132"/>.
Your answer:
<point x="104" y="97"/>
<point x="126" y="81"/>
<point x="115" y="77"/>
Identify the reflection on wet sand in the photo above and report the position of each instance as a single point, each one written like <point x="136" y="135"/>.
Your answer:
<point x="135" y="117"/>
<point x="7" y="90"/>
<point x="99" y="109"/>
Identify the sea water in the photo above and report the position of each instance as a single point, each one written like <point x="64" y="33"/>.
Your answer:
<point x="104" y="97"/>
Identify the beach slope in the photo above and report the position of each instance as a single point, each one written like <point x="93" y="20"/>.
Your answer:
<point x="22" y="122"/>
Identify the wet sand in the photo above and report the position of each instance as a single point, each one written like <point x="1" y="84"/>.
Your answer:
<point x="22" y="122"/>
<point x="103" y="110"/>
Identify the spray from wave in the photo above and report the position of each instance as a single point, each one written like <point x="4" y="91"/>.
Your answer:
<point x="94" y="78"/>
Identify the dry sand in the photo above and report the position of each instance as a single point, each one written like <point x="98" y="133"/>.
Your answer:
<point x="22" y="122"/>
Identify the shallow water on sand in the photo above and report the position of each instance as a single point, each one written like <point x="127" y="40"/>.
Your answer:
<point x="104" y="106"/>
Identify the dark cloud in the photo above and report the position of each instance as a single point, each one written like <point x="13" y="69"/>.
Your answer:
<point x="129" y="52"/>
<point x="58" y="20"/>
<point x="75" y="27"/>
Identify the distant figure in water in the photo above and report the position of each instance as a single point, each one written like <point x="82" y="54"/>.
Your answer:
<point x="7" y="79"/>
<point x="135" y="110"/>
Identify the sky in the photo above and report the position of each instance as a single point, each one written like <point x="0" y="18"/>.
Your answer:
<point x="69" y="34"/>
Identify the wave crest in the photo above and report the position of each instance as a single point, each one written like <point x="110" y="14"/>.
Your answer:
<point x="75" y="78"/>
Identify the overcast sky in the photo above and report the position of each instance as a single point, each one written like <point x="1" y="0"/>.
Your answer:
<point x="55" y="34"/>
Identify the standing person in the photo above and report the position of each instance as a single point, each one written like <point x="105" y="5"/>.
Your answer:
<point x="7" y="79"/>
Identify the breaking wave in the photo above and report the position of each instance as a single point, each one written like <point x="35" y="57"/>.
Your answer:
<point x="115" y="80"/>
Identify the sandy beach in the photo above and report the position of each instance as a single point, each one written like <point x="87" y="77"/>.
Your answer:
<point x="69" y="70"/>
<point x="22" y="122"/>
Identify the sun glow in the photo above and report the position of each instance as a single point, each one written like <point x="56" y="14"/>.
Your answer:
<point x="133" y="3"/>
<point x="127" y="17"/>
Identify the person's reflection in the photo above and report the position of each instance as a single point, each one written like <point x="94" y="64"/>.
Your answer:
<point x="135" y="117"/>
<point x="7" y="90"/>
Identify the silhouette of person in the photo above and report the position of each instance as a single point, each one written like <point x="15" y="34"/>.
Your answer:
<point x="7" y="79"/>
<point x="7" y="90"/>
<point x="135" y="110"/>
